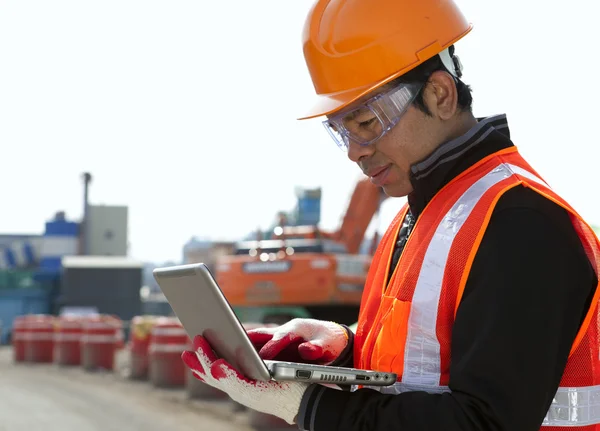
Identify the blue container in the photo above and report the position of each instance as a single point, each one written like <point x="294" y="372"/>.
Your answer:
<point x="60" y="239"/>
<point x="17" y="302"/>
<point x="308" y="211"/>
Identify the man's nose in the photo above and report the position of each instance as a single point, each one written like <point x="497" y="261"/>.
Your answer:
<point x="357" y="151"/>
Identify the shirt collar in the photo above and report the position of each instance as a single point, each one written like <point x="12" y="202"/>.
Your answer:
<point x="428" y="176"/>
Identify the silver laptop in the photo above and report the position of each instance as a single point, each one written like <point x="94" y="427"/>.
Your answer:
<point x="200" y="305"/>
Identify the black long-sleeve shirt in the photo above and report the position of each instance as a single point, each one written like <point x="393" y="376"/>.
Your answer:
<point x="528" y="291"/>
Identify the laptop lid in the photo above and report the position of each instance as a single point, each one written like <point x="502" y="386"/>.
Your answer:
<point x="203" y="310"/>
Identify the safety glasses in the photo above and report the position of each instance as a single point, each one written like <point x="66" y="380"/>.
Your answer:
<point x="373" y="119"/>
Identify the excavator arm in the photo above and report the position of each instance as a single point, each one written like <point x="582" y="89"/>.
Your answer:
<point x="364" y="203"/>
<point x="327" y="283"/>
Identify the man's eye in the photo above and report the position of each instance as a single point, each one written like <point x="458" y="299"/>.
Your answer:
<point x="367" y="123"/>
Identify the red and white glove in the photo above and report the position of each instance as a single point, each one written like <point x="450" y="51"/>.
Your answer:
<point x="301" y="340"/>
<point x="281" y="399"/>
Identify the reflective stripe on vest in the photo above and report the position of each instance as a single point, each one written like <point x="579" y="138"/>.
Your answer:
<point x="427" y="260"/>
<point x="570" y="407"/>
<point x="421" y="341"/>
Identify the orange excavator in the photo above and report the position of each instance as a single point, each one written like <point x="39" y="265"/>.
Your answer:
<point x="303" y="271"/>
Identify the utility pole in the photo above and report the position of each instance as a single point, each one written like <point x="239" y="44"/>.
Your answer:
<point x="87" y="179"/>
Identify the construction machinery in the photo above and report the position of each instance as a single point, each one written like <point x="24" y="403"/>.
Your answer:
<point x="303" y="271"/>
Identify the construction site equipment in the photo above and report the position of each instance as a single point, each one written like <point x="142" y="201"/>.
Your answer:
<point x="67" y="340"/>
<point x="139" y="342"/>
<point x="304" y="266"/>
<point x="39" y="339"/>
<point x="15" y="302"/>
<point x="99" y="342"/>
<point x="168" y="340"/>
<point x="18" y="338"/>
<point x="308" y="210"/>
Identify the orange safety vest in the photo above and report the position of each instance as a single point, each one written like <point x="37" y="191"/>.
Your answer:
<point x="405" y="324"/>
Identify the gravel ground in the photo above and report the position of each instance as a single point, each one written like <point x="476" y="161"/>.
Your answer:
<point x="51" y="398"/>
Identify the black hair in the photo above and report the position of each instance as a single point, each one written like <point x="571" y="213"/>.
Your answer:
<point x="421" y="74"/>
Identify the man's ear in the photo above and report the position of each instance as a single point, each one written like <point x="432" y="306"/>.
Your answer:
<point x="440" y="95"/>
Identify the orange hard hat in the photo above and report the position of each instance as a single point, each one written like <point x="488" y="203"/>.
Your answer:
<point x="353" y="47"/>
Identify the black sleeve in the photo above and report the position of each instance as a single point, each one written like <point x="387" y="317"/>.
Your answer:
<point x="529" y="288"/>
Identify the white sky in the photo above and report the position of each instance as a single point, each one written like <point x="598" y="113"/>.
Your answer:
<point x="185" y="110"/>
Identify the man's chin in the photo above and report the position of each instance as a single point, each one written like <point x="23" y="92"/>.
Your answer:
<point x="395" y="190"/>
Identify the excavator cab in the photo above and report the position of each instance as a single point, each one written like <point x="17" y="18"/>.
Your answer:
<point x="302" y="266"/>
<point x="280" y="247"/>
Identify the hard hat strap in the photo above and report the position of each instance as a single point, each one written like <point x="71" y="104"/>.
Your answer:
<point x="451" y="62"/>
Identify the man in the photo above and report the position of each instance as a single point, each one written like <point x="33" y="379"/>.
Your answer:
<point x="483" y="293"/>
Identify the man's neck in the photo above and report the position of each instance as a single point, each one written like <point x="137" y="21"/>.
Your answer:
<point x="464" y="122"/>
<point x="486" y="136"/>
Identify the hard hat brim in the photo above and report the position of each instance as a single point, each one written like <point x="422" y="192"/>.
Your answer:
<point x="327" y="104"/>
<point x="330" y="103"/>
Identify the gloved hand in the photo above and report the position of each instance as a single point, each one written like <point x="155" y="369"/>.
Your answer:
<point x="281" y="399"/>
<point x="314" y="341"/>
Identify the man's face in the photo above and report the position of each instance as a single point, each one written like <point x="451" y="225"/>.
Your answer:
<point x="388" y="160"/>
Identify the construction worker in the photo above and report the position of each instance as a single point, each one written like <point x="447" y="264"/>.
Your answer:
<point x="483" y="294"/>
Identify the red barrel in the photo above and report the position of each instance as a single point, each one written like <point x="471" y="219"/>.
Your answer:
<point x="99" y="342"/>
<point x="67" y="340"/>
<point x="39" y="338"/>
<point x="18" y="338"/>
<point x="168" y="340"/>
<point x="139" y="341"/>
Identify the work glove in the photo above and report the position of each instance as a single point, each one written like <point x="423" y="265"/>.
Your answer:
<point x="302" y="340"/>
<point x="281" y="399"/>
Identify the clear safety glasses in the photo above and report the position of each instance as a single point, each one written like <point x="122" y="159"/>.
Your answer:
<point x="373" y="119"/>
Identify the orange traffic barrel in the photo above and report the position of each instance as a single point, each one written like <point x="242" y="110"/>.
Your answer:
<point x="39" y="338"/>
<point x="99" y="342"/>
<point x="139" y="342"/>
<point x="18" y="338"/>
<point x="67" y="340"/>
<point x="168" y="340"/>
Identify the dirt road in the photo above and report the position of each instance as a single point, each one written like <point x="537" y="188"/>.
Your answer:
<point x="47" y="397"/>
